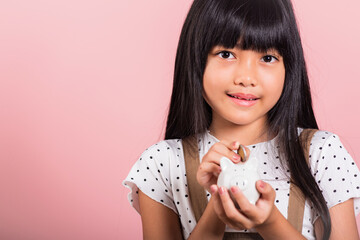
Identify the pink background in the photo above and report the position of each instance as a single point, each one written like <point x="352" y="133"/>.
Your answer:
<point x="84" y="89"/>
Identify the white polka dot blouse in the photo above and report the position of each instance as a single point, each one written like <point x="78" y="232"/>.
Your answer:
<point x="160" y="174"/>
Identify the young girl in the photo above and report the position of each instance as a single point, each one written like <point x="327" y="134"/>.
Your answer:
<point x="240" y="78"/>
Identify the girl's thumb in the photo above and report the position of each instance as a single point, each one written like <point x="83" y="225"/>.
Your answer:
<point x="261" y="186"/>
<point x="265" y="189"/>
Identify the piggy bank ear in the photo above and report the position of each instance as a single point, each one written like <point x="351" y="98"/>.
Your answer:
<point x="225" y="163"/>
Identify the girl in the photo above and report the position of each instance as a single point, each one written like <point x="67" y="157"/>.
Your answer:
<point x="240" y="78"/>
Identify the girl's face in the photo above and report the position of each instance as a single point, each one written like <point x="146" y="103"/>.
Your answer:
<point x="241" y="86"/>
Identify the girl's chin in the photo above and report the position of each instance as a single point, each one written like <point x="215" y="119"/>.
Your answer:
<point x="239" y="119"/>
<point x="248" y="121"/>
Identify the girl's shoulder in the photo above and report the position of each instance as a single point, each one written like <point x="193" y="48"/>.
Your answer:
<point x="334" y="169"/>
<point x="162" y="149"/>
<point x="162" y="156"/>
<point x="319" y="135"/>
<point x="326" y="147"/>
<point x="323" y="140"/>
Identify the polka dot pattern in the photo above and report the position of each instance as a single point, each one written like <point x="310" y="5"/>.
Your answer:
<point x="334" y="170"/>
<point x="160" y="174"/>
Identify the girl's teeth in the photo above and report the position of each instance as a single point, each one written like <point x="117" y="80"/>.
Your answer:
<point x="243" y="98"/>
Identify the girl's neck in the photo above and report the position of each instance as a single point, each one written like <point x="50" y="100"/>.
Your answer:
<point x="245" y="134"/>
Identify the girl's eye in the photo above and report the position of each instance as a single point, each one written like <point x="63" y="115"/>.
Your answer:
<point x="225" y="55"/>
<point x="269" y="58"/>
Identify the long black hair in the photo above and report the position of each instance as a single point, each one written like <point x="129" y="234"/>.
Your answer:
<point x="260" y="25"/>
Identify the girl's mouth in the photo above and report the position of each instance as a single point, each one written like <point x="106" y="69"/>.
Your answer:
<point x="244" y="101"/>
<point x="242" y="98"/>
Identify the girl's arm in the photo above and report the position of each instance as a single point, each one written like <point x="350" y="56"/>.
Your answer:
<point x="159" y="222"/>
<point x="343" y="223"/>
<point x="209" y="226"/>
<point x="279" y="228"/>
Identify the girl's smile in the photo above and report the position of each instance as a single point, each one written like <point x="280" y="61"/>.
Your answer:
<point x="245" y="100"/>
<point x="241" y="86"/>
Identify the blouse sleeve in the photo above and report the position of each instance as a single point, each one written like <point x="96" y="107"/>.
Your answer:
<point x="150" y="174"/>
<point x="335" y="171"/>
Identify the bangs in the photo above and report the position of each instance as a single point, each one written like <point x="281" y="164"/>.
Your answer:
<point x="257" y="25"/>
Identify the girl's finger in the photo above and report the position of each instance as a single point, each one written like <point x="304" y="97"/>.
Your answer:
<point x="246" y="208"/>
<point x="217" y="202"/>
<point x="212" y="157"/>
<point x="235" y="145"/>
<point x="226" y="151"/>
<point x="206" y="168"/>
<point x="238" y="147"/>
<point x="230" y="210"/>
<point x="218" y="207"/>
<point x="209" y="167"/>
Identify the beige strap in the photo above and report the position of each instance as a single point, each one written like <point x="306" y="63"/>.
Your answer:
<point x="196" y="191"/>
<point x="296" y="199"/>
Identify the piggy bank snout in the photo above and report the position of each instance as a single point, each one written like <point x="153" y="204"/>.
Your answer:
<point x="241" y="183"/>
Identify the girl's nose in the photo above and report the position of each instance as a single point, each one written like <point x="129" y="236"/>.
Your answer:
<point x="245" y="81"/>
<point x="245" y="75"/>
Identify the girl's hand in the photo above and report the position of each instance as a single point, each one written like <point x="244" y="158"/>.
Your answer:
<point x="209" y="169"/>
<point x="249" y="215"/>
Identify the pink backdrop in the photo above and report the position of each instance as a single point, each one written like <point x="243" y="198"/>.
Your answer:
<point x="84" y="89"/>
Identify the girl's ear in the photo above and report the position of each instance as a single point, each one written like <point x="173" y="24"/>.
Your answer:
<point x="225" y="163"/>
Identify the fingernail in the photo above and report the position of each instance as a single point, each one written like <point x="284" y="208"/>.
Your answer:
<point x="261" y="184"/>
<point x="236" y="157"/>
<point x="234" y="189"/>
<point x="221" y="190"/>
<point x="236" y="144"/>
<point x="213" y="189"/>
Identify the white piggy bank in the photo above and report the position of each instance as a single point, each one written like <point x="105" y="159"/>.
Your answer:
<point x="243" y="174"/>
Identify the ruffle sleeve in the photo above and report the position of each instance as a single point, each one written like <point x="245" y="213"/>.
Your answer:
<point x="151" y="175"/>
<point x="334" y="170"/>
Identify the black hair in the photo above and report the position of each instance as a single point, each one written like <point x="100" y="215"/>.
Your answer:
<point x="260" y="25"/>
